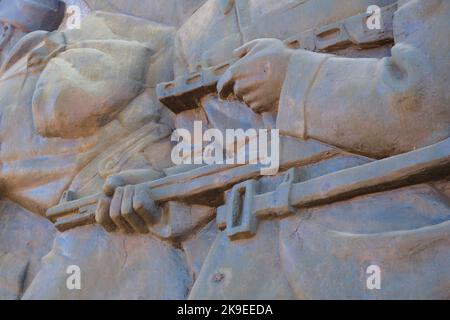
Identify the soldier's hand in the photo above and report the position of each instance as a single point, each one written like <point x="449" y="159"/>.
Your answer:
<point x="130" y="177"/>
<point x="126" y="203"/>
<point x="258" y="76"/>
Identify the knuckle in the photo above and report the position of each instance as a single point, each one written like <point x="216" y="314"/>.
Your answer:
<point x="114" y="215"/>
<point x="138" y="204"/>
<point x="116" y="219"/>
<point x="118" y="191"/>
<point x="248" y="101"/>
<point x="126" y="214"/>
<point x="256" y="106"/>
<point x="99" y="219"/>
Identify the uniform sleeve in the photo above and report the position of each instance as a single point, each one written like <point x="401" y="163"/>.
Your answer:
<point x="376" y="107"/>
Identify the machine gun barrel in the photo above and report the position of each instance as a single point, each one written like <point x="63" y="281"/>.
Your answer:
<point x="247" y="207"/>
<point x="185" y="92"/>
<point x="203" y="186"/>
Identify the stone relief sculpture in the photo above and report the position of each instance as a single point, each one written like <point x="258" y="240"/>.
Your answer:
<point x="87" y="122"/>
<point x="113" y="133"/>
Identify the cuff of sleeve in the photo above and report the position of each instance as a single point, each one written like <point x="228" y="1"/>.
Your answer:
<point x="303" y="69"/>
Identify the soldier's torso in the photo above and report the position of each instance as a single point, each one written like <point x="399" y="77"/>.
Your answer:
<point x="41" y="166"/>
<point x="312" y="253"/>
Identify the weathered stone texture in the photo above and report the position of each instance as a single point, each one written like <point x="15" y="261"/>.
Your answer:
<point x="87" y="178"/>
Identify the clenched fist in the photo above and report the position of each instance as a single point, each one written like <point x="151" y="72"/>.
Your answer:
<point x="126" y="202"/>
<point x="257" y="77"/>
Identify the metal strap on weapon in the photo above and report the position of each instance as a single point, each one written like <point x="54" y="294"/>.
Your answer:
<point x="244" y="207"/>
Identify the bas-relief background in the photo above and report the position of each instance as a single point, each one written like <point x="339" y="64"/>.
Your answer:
<point x="87" y="178"/>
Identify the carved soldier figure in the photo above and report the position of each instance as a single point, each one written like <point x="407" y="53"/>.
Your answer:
<point x="24" y="24"/>
<point x="196" y="47"/>
<point x="168" y="12"/>
<point x="118" y="124"/>
<point x="364" y="100"/>
<point x="233" y="23"/>
<point x="18" y="18"/>
<point x="42" y="154"/>
<point x="365" y="152"/>
<point x="378" y="107"/>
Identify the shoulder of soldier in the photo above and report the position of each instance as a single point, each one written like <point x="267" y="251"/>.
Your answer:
<point x="23" y="47"/>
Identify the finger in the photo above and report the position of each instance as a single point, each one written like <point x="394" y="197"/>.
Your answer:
<point x="246" y="86"/>
<point x="251" y="98"/>
<point x="111" y="184"/>
<point x="225" y="84"/>
<point x="145" y="206"/>
<point x="255" y="101"/>
<point x="128" y="213"/>
<point x="258" y="100"/>
<point x="259" y="106"/>
<point x="238" y="70"/>
<point x="115" y="211"/>
<point x="102" y="214"/>
<point x="245" y="49"/>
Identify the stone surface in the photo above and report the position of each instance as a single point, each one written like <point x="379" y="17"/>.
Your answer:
<point x="112" y="267"/>
<point x="405" y="231"/>
<point x="86" y="121"/>
<point x="24" y="239"/>
<point x="170" y="12"/>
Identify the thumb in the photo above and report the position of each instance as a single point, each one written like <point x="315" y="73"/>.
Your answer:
<point x="225" y="84"/>
<point x="111" y="184"/>
<point x="130" y="177"/>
